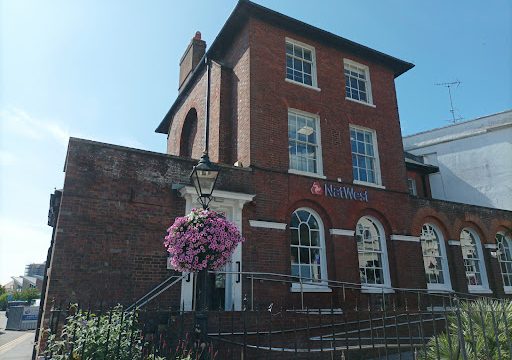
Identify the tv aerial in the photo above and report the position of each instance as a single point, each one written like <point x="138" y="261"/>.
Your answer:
<point x="449" y="85"/>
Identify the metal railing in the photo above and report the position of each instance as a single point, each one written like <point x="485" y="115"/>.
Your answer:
<point x="359" y="323"/>
<point x="467" y="329"/>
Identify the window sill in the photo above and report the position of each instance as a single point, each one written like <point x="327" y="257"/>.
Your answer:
<point x="360" y="102"/>
<point x="310" y="288"/>
<point x="376" y="290"/>
<point x="479" y="291"/>
<point x="304" y="173"/>
<point x="508" y="290"/>
<point x="301" y="84"/>
<point x="439" y="289"/>
<point x="358" y="182"/>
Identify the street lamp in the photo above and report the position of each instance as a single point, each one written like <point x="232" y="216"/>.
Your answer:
<point x="204" y="176"/>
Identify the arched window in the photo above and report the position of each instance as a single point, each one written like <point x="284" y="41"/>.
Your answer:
<point x="434" y="258"/>
<point x="504" y="254"/>
<point x="474" y="263"/>
<point x="307" y="246"/>
<point x="372" y="253"/>
<point x="188" y="133"/>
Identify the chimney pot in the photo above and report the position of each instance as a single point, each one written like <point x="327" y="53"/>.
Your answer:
<point x="198" y="35"/>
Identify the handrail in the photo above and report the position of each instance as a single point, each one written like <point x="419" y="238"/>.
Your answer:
<point x="160" y="288"/>
<point x="268" y="276"/>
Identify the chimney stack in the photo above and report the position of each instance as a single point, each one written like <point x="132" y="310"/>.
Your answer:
<point x="191" y="57"/>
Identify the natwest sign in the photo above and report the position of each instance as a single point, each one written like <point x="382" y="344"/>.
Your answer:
<point x="339" y="192"/>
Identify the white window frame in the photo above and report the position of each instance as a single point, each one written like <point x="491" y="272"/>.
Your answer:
<point x="484" y="287"/>
<point x="506" y="289"/>
<point x="412" y="189"/>
<point x="314" y="83"/>
<point x="321" y="286"/>
<point x="386" y="286"/>
<point x="366" y="69"/>
<point x="378" y="178"/>
<point x="447" y="285"/>
<point x="319" y="162"/>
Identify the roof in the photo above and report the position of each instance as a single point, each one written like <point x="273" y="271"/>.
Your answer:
<point x="246" y="9"/>
<point x="459" y="130"/>
<point x="413" y="162"/>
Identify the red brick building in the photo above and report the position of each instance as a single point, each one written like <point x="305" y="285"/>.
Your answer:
<point x="319" y="185"/>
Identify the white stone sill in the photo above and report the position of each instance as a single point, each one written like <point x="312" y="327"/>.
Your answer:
<point x="301" y="84"/>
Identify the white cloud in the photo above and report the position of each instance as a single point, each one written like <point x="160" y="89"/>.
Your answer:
<point x="19" y="122"/>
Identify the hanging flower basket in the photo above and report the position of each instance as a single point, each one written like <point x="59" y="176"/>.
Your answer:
<point x="204" y="239"/>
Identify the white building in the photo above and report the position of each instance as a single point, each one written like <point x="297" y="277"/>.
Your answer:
<point x="474" y="159"/>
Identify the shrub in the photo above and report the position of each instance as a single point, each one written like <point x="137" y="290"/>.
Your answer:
<point x="114" y="335"/>
<point x="485" y="325"/>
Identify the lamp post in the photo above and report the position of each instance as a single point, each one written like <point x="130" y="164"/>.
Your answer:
<point x="204" y="177"/>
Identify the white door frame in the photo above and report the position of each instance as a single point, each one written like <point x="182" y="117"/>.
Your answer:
<point x="232" y="203"/>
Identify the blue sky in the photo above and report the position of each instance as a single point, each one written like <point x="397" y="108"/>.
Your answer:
<point x="108" y="71"/>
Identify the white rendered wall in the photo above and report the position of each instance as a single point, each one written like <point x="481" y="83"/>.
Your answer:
<point x="474" y="159"/>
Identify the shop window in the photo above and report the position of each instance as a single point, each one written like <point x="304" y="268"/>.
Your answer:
<point x="304" y="148"/>
<point x="365" y="157"/>
<point x="434" y="258"/>
<point x="307" y="248"/>
<point x="357" y="82"/>
<point x="300" y="63"/>
<point x="474" y="263"/>
<point x="504" y="254"/>
<point x="372" y="254"/>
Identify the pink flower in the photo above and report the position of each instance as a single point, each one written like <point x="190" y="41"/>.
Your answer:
<point x="205" y="240"/>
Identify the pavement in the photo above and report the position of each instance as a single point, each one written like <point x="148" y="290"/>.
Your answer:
<point x="15" y="345"/>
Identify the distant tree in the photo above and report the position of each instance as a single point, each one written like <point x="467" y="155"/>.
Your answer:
<point x="2" y="290"/>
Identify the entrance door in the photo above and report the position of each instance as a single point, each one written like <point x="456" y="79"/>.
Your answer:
<point x="228" y="287"/>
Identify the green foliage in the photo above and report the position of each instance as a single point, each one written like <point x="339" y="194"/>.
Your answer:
<point x="114" y="335"/>
<point x="3" y="301"/>
<point x="485" y="325"/>
<point x="26" y="294"/>
<point x="2" y="290"/>
<point x="87" y="336"/>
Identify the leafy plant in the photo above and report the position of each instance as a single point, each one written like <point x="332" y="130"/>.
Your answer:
<point x="486" y="328"/>
<point x="87" y="336"/>
<point x="114" y="335"/>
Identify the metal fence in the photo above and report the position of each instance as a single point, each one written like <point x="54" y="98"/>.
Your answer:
<point x="404" y="325"/>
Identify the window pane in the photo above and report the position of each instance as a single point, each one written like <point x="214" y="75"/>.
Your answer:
<point x="307" y="68"/>
<point x="308" y="80"/>
<point x="304" y="255"/>
<point x="304" y="235"/>
<point x="289" y="48"/>
<point x="305" y="271"/>
<point x="295" y="237"/>
<point x="307" y="54"/>
<point x="295" y="270"/>
<point x="295" y="255"/>
<point x="297" y="51"/>
<point x="315" y="238"/>
<point x="289" y="62"/>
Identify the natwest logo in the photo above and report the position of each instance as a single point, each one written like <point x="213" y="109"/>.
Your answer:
<point x="339" y="192"/>
<point x="316" y="189"/>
